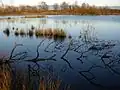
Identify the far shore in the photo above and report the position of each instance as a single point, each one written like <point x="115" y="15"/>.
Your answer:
<point x="39" y="15"/>
<point x="44" y="13"/>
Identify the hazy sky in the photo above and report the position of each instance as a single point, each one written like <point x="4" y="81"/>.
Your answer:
<point x="91" y="2"/>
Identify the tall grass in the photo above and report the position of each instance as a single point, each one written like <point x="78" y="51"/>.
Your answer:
<point x="22" y="32"/>
<point x="5" y="79"/>
<point x="56" y="33"/>
<point x="30" y="33"/>
<point x="50" y="33"/>
<point x="35" y="16"/>
<point x="20" y="81"/>
<point x="7" y="31"/>
<point x="16" y="33"/>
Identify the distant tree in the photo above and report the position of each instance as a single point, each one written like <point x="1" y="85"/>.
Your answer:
<point x="43" y="5"/>
<point x="84" y="5"/>
<point x="75" y="5"/>
<point x="2" y="4"/>
<point x="64" y="5"/>
<point x="106" y="7"/>
<point x="56" y="6"/>
<point x="70" y="7"/>
<point x="88" y="6"/>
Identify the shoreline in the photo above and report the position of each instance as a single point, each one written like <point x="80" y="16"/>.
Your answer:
<point x="80" y="12"/>
<point x="12" y="16"/>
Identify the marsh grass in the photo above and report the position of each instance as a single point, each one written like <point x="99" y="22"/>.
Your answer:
<point x="35" y="16"/>
<point x="7" y="31"/>
<point x="5" y="78"/>
<point x="50" y="84"/>
<point x="50" y="33"/>
<point x="47" y="33"/>
<point x="20" y="81"/>
<point x="22" y="32"/>
<point x="16" y="33"/>
<point x="30" y="33"/>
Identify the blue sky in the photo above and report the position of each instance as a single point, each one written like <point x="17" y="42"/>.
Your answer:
<point x="91" y="2"/>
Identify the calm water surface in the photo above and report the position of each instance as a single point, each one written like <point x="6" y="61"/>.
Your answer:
<point x="90" y="60"/>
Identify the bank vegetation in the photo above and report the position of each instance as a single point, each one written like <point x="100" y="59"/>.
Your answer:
<point x="58" y="9"/>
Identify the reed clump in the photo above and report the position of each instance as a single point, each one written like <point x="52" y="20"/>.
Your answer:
<point x="22" y="32"/>
<point x="7" y="31"/>
<point x="30" y="33"/>
<point x="50" y="33"/>
<point x="16" y="33"/>
<point x="24" y="81"/>
<point x="5" y="78"/>
<point x="35" y="16"/>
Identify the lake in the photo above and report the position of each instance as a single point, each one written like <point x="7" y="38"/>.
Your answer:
<point x="88" y="58"/>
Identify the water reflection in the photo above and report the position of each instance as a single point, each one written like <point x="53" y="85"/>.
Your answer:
<point x="79" y="61"/>
<point x="33" y="79"/>
<point x="84" y="53"/>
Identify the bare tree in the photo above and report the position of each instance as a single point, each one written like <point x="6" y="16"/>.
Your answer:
<point x="43" y="5"/>
<point x="56" y="6"/>
<point x="2" y="3"/>
<point x="84" y="5"/>
<point x="64" y="5"/>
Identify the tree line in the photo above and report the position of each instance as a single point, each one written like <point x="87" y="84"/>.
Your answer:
<point x="55" y="9"/>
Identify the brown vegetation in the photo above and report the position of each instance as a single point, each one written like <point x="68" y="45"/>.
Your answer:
<point x="20" y="81"/>
<point x="50" y="33"/>
<point x="55" y="33"/>
<point x="42" y="33"/>
<point x="63" y="9"/>
<point x="5" y="78"/>
<point x="35" y="16"/>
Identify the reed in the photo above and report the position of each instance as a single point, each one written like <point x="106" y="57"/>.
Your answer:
<point x="51" y="84"/>
<point x="39" y="33"/>
<point x="22" y="32"/>
<point x="16" y="33"/>
<point x="50" y="33"/>
<point x="5" y="78"/>
<point x="30" y="33"/>
<point x="7" y="31"/>
<point x="19" y="80"/>
<point x="35" y="16"/>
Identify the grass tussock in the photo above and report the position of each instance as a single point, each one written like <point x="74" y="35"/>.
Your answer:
<point x="21" y="81"/>
<point x="16" y="33"/>
<point x="50" y="33"/>
<point x="5" y="79"/>
<point x="7" y="31"/>
<point x="35" y="16"/>
<point x="30" y="33"/>
<point x="22" y="32"/>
